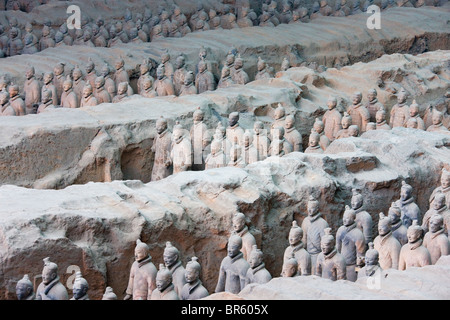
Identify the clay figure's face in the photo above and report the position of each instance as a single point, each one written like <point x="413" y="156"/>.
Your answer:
<point x="318" y="126"/>
<point x="118" y="65"/>
<point x="161" y="126"/>
<point x="162" y="282"/>
<point x="48" y="78"/>
<point x="188" y="80"/>
<point x="48" y="275"/>
<point x="246" y="141"/>
<point x="437" y="119"/>
<point x="233" y="120"/>
<point x="238" y="224"/>
<point x="327" y="246"/>
<point x="313" y="208"/>
<point x="179" y="63"/>
<point x="78" y="290"/>
<point x="67" y="86"/>
<point x="445" y="181"/>
<point x="170" y="258"/>
<point x="76" y="75"/>
<point x="238" y="64"/>
<point x="346" y="122"/>
<point x="383" y="229"/>
<point x="198" y="117"/>
<point x="413" y="111"/>
<point x="230" y="59"/>
<point x="393" y="216"/>
<point x="255" y="260"/>
<point x="13" y="92"/>
<point x="122" y="89"/>
<point x="356" y="99"/>
<point x="3" y="99"/>
<point x="435" y="225"/>
<point x="289" y="270"/>
<point x="233" y="249"/>
<point x="23" y="291"/>
<point x="261" y="66"/>
<point x="413" y="235"/>
<point x="98" y="84"/>
<point x="353" y="131"/>
<point x="313" y="141"/>
<point x="405" y="194"/>
<point x="371" y="260"/>
<point x="202" y="54"/>
<point x="289" y="123"/>
<point x="331" y="104"/>
<point x="29" y="74"/>
<point x="160" y="74"/>
<point x="87" y="92"/>
<point x="439" y="203"/>
<point x="401" y="98"/>
<point x="348" y="219"/>
<point x="191" y="274"/>
<point x="140" y="254"/>
<point x="294" y="237"/>
<point x="147" y="85"/>
<point x="225" y="73"/>
<point x="371" y="96"/>
<point x="258" y="127"/>
<point x="279" y="113"/>
<point x="380" y="117"/>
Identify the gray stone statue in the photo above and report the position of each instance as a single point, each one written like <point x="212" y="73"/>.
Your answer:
<point x="163" y="85"/>
<point x="49" y="86"/>
<point x="400" y="111"/>
<point x="181" y="153"/>
<point x="279" y="118"/>
<point x="249" y="151"/>
<point x="410" y="210"/>
<point x="240" y="228"/>
<point x="200" y="139"/>
<point x="24" y="289"/>
<point x="399" y="231"/>
<point x="217" y="157"/>
<point x="257" y="273"/>
<point x="360" y="115"/>
<point x="437" y="207"/>
<point x="69" y="98"/>
<point x="373" y="105"/>
<point x="46" y="102"/>
<point x="78" y="83"/>
<point x="239" y="76"/>
<point x="313" y="227"/>
<point x="121" y="75"/>
<point x="142" y="280"/>
<point x="144" y="69"/>
<point x="165" y="290"/>
<point x="438" y="126"/>
<point x="225" y="78"/>
<point x="109" y="294"/>
<point x="100" y="92"/>
<point x="188" y="86"/>
<point x="122" y="92"/>
<point x="414" y="254"/>
<point x="364" y="220"/>
<point x="332" y="119"/>
<point x="236" y="160"/>
<point x="262" y="70"/>
<point x="386" y="244"/>
<point x="330" y="263"/>
<point x="110" y="84"/>
<point x="233" y="269"/>
<point x="172" y="261"/>
<point x="179" y="74"/>
<point x="32" y="90"/>
<point x="290" y="267"/>
<point x="260" y="140"/>
<point x="435" y="240"/>
<point x="292" y="135"/>
<point x="234" y="130"/>
<point x="16" y="101"/>
<point x="279" y="145"/>
<point x="162" y="146"/>
<point x="193" y="289"/>
<point x="51" y="288"/>
<point x="5" y="106"/>
<point x="350" y="243"/>
<point x="148" y="91"/>
<point x="204" y="80"/>
<point x="80" y="288"/>
<point x="372" y="267"/>
<point x="297" y="248"/>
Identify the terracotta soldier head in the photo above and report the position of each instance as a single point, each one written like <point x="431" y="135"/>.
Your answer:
<point x="192" y="271"/>
<point x="238" y="63"/>
<point x="141" y="251"/>
<point x="258" y="127"/>
<point x="289" y="122"/>
<point x="313" y="206"/>
<point x="414" y="109"/>
<point x="87" y="91"/>
<point x="4" y="97"/>
<point x="256" y="257"/>
<point x="202" y="66"/>
<point x="412" y="123"/>
<point x="234" y="245"/>
<point x="439" y="201"/>
<point x="415" y="232"/>
<point x="314" y="139"/>
<point x="161" y="125"/>
<point x="372" y="255"/>
<point x="295" y="234"/>
<point x="77" y="73"/>
<point x="119" y="64"/>
<point x="402" y="96"/>
<point x="384" y="225"/>
<point x="163" y="278"/>
<point x="233" y="118"/>
<point x="48" y="77"/>
<point x="180" y="62"/>
<point x="436" y="223"/>
<point x="80" y="286"/>
<point x="50" y="271"/>
<point x="437" y="117"/>
<point x="405" y="191"/>
<point x="24" y="288"/>
<point x="445" y="179"/>
<point x="160" y="72"/>
<point x="353" y="130"/>
<point x="290" y="267"/>
<point x="59" y="69"/>
<point x="346" y="121"/>
<point x="327" y="243"/>
<point x="349" y="216"/>
<point x="67" y="85"/>
<point x="171" y="255"/>
<point x="225" y="72"/>
<point x="178" y="132"/>
<point x="122" y="88"/>
<point x="189" y="78"/>
<point x="394" y="213"/>
<point x="30" y="73"/>
<point x="99" y="82"/>
<point x="239" y="221"/>
<point x="357" y="97"/>
<point x="109" y="294"/>
<point x="372" y="95"/>
<point x="318" y="126"/>
<point x="13" y="90"/>
<point x="230" y="60"/>
<point x="331" y="103"/>
<point x="261" y="65"/>
<point x="147" y="83"/>
<point x="279" y="112"/>
<point x="380" y="116"/>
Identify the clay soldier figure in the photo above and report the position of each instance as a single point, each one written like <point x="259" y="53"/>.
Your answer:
<point x="67" y="38"/>
<point x="32" y="90"/>
<point x="443" y="188"/>
<point x="29" y="46"/>
<point x="114" y="38"/>
<point x="100" y="92"/>
<point x="181" y="153"/>
<point x="304" y="16"/>
<point x="4" y="39"/>
<point x="199" y="138"/>
<point x="414" y="114"/>
<point x="250" y="153"/>
<point x="236" y="160"/>
<point x="234" y="130"/>
<point x="436" y="241"/>
<point x="220" y="136"/>
<point x="350" y="243"/>
<point x="91" y="74"/>
<point x="399" y="231"/>
<point x="229" y="63"/>
<point x="97" y="37"/>
<point x="59" y="79"/>
<point x="314" y="143"/>
<point x="24" y="289"/>
<point x="51" y="288"/>
<point x="147" y="88"/>
<point x="233" y="269"/>
<point x="265" y="20"/>
<point x="225" y="79"/>
<point x="353" y="131"/>
<point x="15" y="43"/>
<point x="121" y="75"/>
<point x="157" y="33"/>
<point x="285" y="65"/>
<point x="188" y="86"/>
<point x="262" y="70"/>
<point x="414" y="254"/>
<point x="29" y="31"/>
<point x="142" y="274"/>
<point x="16" y="101"/>
<point x="381" y="120"/>
<point x="387" y="245"/>
<point x="241" y="229"/>
<point x="257" y="273"/>
<point x="412" y="123"/>
<point x="325" y="8"/>
<point x="69" y="98"/>
<point x="204" y="81"/>
<point x="174" y="266"/>
<point x="110" y="84"/>
<point x="244" y="21"/>
<point x="292" y="135"/>
<point x="372" y="267"/>
<point x="5" y="106"/>
<point x="286" y="14"/>
<point x="193" y="289"/>
<point x="162" y="166"/>
<point x="78" y="83"/>
<point x="165" y="289"/>
<point x="46" y="39"/>
<point x="373" y="105"/>
<point x="184" y="27"/>
<point x="404" y="3"/>
<point x="88" y="99"/>
<point x="260" y="140"/>
<point x="439" y="207"/>
<point x="410" y="210"/>
<point x="101" y="24"/>
<point x="214" y="19"/>
<point x="330" y="263"/>
<point x="49" y="86"/>
<point x="279" y="119"/>
<point x="297" y="248"/>
<point x="400" y="111"/>
<point x="168" y="67"/>
<point x="437" y="125"/>
<point x="87" y="36"/>
<point x="319" y="127"/>
<point x="239" y="76"/>
<point x="363" y="218"/>
<point x="46" y="103"/>
<point x="332" y="120"/>
<point x="109" y="294"/>
<point x="134" y="36"/>
<point x="142" y="34"/>
<point x="121" y="34"/>
<point x="346" y="123"/>
<point x="344" y="9"/>
<point x="80" y="288"/>
<point x="360" y="115"/>
<point x="217" y="158"/>
<point x="313" y="227"/>
<point x="279" y="145"/>
<point x="144" y="73"/>
<point x="179" y="74"/>
<point x="163" y="85"/>
<point x="122" y="92"/>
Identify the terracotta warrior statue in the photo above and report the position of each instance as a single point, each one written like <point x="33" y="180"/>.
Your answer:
<point x="233" y="269"/>
<point x="220" y="136"/>
<point x="414" y="254"/>
<point x="292" y="135"/>
<point x="314" y="143"/>
<point x="110" y="84"/>
<point x="91" y="74"/>
<point x="346" y="123"/>
<point x="47" y="40"/>
<point x="46" y="102"/>
<point x="165" y="289"/>
<point x="200" y="139"/>
<point x="363" y="219"/>
<point x="225" y="79"/>
<point x="142" y="280"/>
<point x="181" y="153"/>
<point x="443" y="188"/>
<point x="109" y="294"/>
<point x="239" y="76"/>
<point x="100" y="92"/>
<point x="439" y="207"/>
<point x="179" y="74"/>
<point x="24" y="289"/>
<point x="290" y="267"/>
<point x="319" y="127"/>
<point x="162" y="146"/>
<point x="279" y="118"/>
<point x="193" y="289"/>
<point x="438" y="126"/>
<point x="414" y="114"/>
<point x="80" y="288"/>
<point x="217" y="158"/>
<point x="15" y="43"/>
<point x="121" y="75"/>
<point x="350" y="243"/>
<point x="88" y="99"/>
<point x="386" y="244"/>
<point x="332" y="120"/>
<point x="188" y="87"/>
<point x="32" y="90"/>
<point x="297" y="248"/>
<point x="360" y="115"/>
<point x="261" y="141"/>
<point x="234" y="130"/>
<point x="313" y="227"/>
<point x="236" y="160"/>
<point x="262" y="70"/>
<point x="163" y="85"/>
<point x="49" y="86"/>
<point x="249" y="151"/>
<point x="144" y="69"/>
<point x="51" y="288"/>
<point x="122" y="92"/>
<point x="373" y="105"/>
<point x="240" y="228"/>
<point x="5" y="106"/>
<point x="372" y="266"/>
<point x="30" y="47"/>
<point x="399" y="231"/>
<point x="78" y="83"/>
<point x="59" y="79"/>
<point x="16" y="101"/>
<point x="204" y="81"/>
<point x="436" y="241"/>
<point x="330" y="263"/>
<point x="172" y="261"/>
<point x="400" y="111"/>
<point x="381" y="120"/>
<point x="257" y="273"/>
<point x="410" y="210"/>
<point x="279" y="145"/>
<point x="148" y="91"/>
